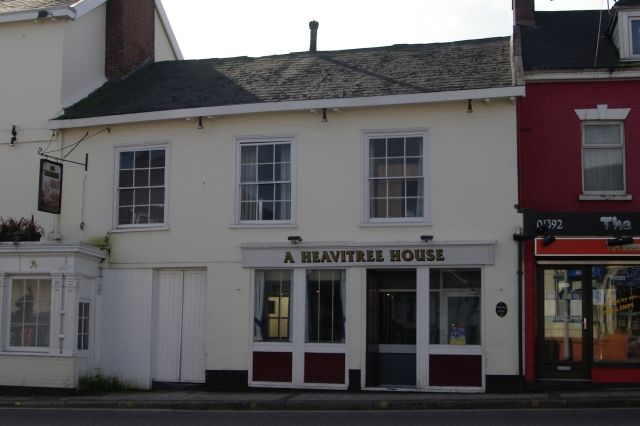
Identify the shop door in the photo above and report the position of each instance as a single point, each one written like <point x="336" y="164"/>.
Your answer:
<point x="562" y="323"/>
<point x="179" y="315"/>
<point x="391" y="329"/>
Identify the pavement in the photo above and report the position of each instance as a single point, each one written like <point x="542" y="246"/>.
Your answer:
<point x="329" y="401"/>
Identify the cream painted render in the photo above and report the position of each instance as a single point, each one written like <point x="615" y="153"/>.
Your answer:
<point x="473" y="185"/>
<point x="38" y="371"/>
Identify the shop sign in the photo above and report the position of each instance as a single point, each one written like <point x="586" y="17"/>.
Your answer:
<point x="278" y="256"/>
<point x="586" y="247"/>
<point x="501" y="309"/>
<point x="50" y="187"/>
<point x="583" y="224"/>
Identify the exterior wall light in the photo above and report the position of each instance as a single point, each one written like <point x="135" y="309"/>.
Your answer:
<point x="619" y="241"/>
<point x="14" y="135"/>
<point x="548" y="240"/>
<point x="200" y="123"/>
<point x="469" y="108"/>
<point x="294" y="239"/>
<point x="324" y="115"/>
<point x="426" y="238"/>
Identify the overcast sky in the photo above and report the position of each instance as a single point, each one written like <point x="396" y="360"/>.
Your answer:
<point x="220" y="29"/>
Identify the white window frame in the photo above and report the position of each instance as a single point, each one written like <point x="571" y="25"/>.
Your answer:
<point x="602" y="114"/>
<point x="625" y="33"/>
<point x="7" y="317"/>
<point x="298" y="346"/>
<point x="239" y="141"/>
<point x="166" y="145"/>
<point x="584" y="124"/>
<point x="87" y="333"/>
<point x="367" y="220"/>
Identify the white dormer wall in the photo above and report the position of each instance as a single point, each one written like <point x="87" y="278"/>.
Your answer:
<point x="83" y="56"/>
<point x="621" y="33"/>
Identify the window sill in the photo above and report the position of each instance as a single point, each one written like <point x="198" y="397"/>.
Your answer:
<point x="263" y="225"/>
<point x="374" y="224"/>
<point x="27" y="353"/>
<point x="150" y="228"/>
<point x="625" y="197"/>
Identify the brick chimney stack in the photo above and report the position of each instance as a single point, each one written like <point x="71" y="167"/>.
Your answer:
<point x="313" y="26"/>
<point x="130" y="36"/>
<point x="524" y="12"/>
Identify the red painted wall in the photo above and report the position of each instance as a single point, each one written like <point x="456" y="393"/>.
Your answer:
<point x="550" y="165"/>
<point x="550" y="144"/>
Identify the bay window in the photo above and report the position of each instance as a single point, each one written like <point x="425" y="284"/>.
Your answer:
<point x="30" y="313"/>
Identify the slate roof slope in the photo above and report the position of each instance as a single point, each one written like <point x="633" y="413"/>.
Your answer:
<point x="567" y="40"/>
<point x="394" y="70"/>
<point x="627" y="3"/>
<point x="20" y="5"/>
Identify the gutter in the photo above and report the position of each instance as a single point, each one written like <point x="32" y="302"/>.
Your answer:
<point x="64" y="12"/>
<point x="420" y="98"/>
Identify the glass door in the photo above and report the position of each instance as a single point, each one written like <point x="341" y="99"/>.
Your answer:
<point x="562" y="323"/>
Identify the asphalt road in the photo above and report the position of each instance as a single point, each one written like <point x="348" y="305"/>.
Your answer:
<point x="565" y="417"/>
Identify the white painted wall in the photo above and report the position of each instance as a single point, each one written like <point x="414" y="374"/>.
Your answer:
<point x="163" y="49"/>
<point x="83" y="56"/>
<point x="473" y="190"/>
<point x="38" y="371"/>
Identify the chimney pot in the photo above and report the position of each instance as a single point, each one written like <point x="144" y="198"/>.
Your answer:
<point x="313" y="26"/>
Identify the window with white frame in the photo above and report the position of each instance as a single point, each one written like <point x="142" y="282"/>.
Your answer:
<point x="603" y="159"/>
<point x="141" y="181"/>
<point x="396" y="176"/>
<point x="83" y="326"/>
<point x="266" y="181"/>
<point x="635" y="37"/>
<point x="30" y="325"/>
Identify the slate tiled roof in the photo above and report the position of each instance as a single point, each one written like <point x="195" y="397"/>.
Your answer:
<point x="567" y="40"/>
<point x="20" y="5"/>
<point x="394" y="70"/>
<point x="628" y="3"/>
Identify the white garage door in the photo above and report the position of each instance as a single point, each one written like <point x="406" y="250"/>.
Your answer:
<point x="179" y="315"/>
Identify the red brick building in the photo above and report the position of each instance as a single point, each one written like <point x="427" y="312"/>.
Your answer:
<point x="579" y="192"/>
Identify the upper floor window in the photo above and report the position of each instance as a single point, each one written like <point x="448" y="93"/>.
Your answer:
<point x="141" y="186"/>
<point x="396" y="176"/>
<point x="266" y="181"/>
<point x="603" y="158"/>
<point x="635" y="36"/>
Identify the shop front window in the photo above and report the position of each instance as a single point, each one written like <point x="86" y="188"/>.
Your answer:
<point x="325" y="311"/>
<point x="616" y="313"/>
<point x="273" y="299"/>
<point x="454" y="307"/>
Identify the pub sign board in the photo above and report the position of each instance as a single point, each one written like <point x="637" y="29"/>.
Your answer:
<point x="601" y="224"/>
<point x="50" y="187"/>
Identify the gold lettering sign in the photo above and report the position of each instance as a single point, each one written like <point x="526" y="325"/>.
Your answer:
<point x="368" y="256"/>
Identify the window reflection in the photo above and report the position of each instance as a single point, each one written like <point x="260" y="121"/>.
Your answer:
<point x="616" y="313"/>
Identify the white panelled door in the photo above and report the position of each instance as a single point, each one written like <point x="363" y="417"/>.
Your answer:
<point x="179" y="315"/>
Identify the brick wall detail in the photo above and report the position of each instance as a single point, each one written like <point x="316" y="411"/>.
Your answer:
<point x="524" y="12"/>
<point x="130" y="35"/>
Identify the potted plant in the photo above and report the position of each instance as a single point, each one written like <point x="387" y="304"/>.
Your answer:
<point x="17" y="230"/>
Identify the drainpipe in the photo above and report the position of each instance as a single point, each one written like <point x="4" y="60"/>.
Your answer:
<point x="55" y="234"/>
<point x="520" y="355"/>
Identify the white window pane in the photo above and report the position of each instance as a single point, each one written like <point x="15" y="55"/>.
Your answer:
<point x="283" y="153"/>
<point x="30" y="313"/>
<point x="603" y="170"/>
<point x="602" y="135"/>
<point x="378" y="167"/>
<point x="378" y="208"/>
<point x="377" y="148"/>
<point x="248" y="211"/>
<point x="248" y="155"/>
